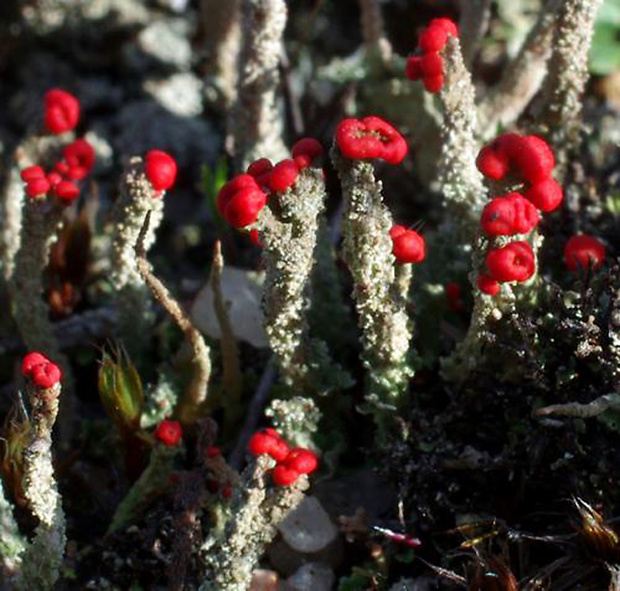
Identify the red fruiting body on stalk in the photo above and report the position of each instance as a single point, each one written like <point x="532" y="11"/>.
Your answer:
<point x="283" y="175"/>
<point x="268" y="442"/>
<point x="432" y="39"/>
<point x="407" y="246"/>
<point x="279" y="450"/>
<point x="446" y="24"/>
<point x="169" y="433"/>
<point x="532" y="157"/>
<point x="260" y="170"/>
<point x="413" y="69"/>
<point x="62" y="168"/>
<point x="160" y="169"/>
<point x="498" y="217"/>
<point x="509" y="215"/>
<point x="43" y="373"/>
<point x="529" y="155"/>
<point x="431" y="65"/>
<point x="37" y="187"/>
<point x="397" y="230"/>
<point x="370" y="137"/>
<point x="225" y="194"/>
<point x="526" y="217"/>
<point x="301" y="460"/>
<point x="306" y="150"/>
<point x="46" y="375"/>
<point x="581" y="251"/>
<point x="66" y="190"/>
<point x="492" y="164"/>
<point x="30" y="361"/>
<point x="227" y="492"/>
<point x="283" y="476"/>
<point x="62" y="111"/>
<point x="433" y="83"/>
<point x="435" y="36"/>
<point x="53" y="178"/>
<point x="486" y="284"/>
<point x="80" y="158"/>
<point x="546" y="195"/>
<point x="261" y="443"/>
<point x="513" y="262"/>
<point x="31" y="173"/>
<point x="244" y="207"/>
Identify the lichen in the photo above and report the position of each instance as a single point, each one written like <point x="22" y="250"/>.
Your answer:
<point x="255" y="512"/>
<point x="289" y="241"/>
<point x="382" y="315"/>
<point x="256" y="121"/>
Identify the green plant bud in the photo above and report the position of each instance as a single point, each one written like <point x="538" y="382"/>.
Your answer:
<point x="120" y="389"/>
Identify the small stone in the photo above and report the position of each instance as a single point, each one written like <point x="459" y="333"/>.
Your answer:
<point x="308" y="529"/>
<point x="180" y="94"/>
<point x="241" y="291"/>
<point x="166" y="40"/>
<point x="312" y="576"/>
<point x="264" y="580"/>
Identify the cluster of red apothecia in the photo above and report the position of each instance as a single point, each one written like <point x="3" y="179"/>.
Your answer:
<point x="428" y="67"/>
<point x="373" y="137"/>
<point x="370" y="137"/>
<point x="242" y="198"/>
<point x="62" y="112"/>
<point x="524" y="159"/>
<point x="291" y="462"/>
<point x="43" y="372"/>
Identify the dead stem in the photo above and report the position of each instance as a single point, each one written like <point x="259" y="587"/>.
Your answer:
<point x="197" y="390"/>
<point x="232" y="376"/>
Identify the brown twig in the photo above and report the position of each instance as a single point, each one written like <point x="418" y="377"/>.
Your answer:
<point x="197" y="390"/>
<point x="232" y="376"/>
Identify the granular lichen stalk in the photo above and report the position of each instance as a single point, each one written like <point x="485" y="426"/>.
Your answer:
<point x="12" y="543"/>
<point x="254" y="515"/>
<point x="382" y="317"/>
<point x="43" y="557"/>
<point x="562" y="92"/>
<point x="256" y="120"/>
<point x="289" y="241"/>
<point x="459" y="180"/>
<point x="505" y="102"/>
<point x="137" y="197"/>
